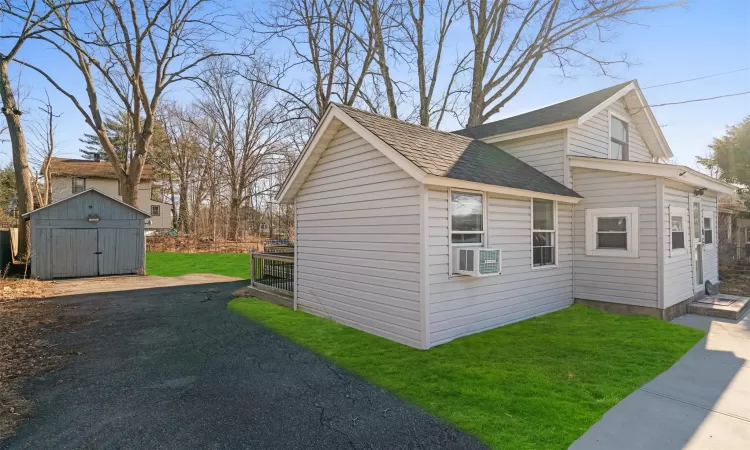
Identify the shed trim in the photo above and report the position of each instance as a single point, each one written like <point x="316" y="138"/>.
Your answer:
<point x="27" y="216"/>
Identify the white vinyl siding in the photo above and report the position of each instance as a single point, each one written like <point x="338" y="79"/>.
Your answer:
<point x="544" y="153"/>
<point x="614" y="279"/>
<point x="358" y="241"/>
<point x="678" y="267"/>
<point x="592" y="138"/>
<point x="459" y="306"/>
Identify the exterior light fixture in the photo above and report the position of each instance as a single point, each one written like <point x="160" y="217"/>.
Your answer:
<point x="93" y="218"/>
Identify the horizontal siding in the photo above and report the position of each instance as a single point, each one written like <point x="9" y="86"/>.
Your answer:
<point x="631" y="281"/>
<point x="544" y="153"/>
<point x="358" y="241"/>
<point x="465" y="305"/>
<point x="592" y="138"/>
<point x="678" y="266"/>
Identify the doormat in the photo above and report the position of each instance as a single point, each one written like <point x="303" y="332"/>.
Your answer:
<point x="716" y="301"/>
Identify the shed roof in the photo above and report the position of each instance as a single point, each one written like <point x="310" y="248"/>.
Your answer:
<point x="88" y="168"/>
<point x="28" y="215"/>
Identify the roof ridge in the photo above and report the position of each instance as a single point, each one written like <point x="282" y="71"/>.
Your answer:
<point x="623" y="84"/>
<point x="402" y="121"/>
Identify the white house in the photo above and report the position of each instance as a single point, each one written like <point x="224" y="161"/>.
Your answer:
<point x="574" y="196"/>
<point x="72" y="176"/>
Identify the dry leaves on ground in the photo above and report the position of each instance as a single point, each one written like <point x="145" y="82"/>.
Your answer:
<point x="736" y="285"/>
<point x="23" y="350"/>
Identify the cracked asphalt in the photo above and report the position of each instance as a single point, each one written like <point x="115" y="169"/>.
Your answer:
<point x="166" y="368"/>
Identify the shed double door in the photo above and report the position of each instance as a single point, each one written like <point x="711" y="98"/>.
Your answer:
<point x="88" y="252"/>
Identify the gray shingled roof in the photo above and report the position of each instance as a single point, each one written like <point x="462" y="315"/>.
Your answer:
<point x="449" y="155"/>
<point x="559" y="112"/>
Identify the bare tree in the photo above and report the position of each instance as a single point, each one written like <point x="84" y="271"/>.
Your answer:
<point x="43" y="146"/>
<point x="247" y="130"/>
<point x="24" y="20"/>
<point x="128" y="54"/>
<point x="511" y="38"/>
<point x="329" y="62"/>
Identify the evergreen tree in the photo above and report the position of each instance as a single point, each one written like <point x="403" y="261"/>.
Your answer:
<point x="120" y="133"/>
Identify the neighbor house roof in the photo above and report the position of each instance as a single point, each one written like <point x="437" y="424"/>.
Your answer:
<point x="87" y="168"/>
<point x="559" y="112"/>
<point x="430" y="156"/>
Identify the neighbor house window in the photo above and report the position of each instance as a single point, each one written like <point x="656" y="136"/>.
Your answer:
<point x="467" y="218"/>
<point x="618" y="136"/>
<point x="612" y="232"/>
<point x="156" y="210"/>
<point x="677" y="228"/>
<point x="543" y="233"/>
<point x="708" y="229"/>
<point x="79" y="185"/>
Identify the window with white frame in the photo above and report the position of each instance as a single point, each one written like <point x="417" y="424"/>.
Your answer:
<point x="618" y="138"/>
<point x="612" y="232"/>
<point x="708" y="228"/>
<point x="677" y="224"/>
<point x="544" y="233"/>
<point x="467" y="218"/>
<point x="156" y="210"/>
<point x="79" y="184"/>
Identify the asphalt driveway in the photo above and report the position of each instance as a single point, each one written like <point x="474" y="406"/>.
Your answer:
<point x="170" y="367"/>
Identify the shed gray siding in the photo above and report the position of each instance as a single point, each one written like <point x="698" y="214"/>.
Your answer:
<point x="358" y="241"/>
<point x="592" y="137"/>
<point x="631" y="281"/>
<point x="54" y="228"/>
<point x="459" y="306"/>
<point x="544" y="153"/>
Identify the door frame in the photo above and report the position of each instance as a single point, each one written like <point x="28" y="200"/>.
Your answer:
<point x="697" y="244"/>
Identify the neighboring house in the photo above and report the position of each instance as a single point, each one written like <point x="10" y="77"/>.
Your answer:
<point x="573" y="195"/>
<point x="72" y="176"/>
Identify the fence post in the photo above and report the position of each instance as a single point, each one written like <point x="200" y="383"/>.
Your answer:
<point x="252" y="269"/>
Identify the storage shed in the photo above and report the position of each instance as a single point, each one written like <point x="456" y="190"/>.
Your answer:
<point x="85" y="235"/>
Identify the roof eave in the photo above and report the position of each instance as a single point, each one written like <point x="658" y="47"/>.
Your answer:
<point x="435" y="180"/>
<point x="549" y="128"/>
<point x="680" y="174"/>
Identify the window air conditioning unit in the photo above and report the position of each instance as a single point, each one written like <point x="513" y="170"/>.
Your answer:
<point x="477" y="262"/>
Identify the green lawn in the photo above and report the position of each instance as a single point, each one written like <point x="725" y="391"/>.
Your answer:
<point x="536" y="384"/>
<point x="168" y="264"/>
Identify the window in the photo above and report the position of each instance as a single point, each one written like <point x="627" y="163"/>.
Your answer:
<point x="618" y="137"/>
<point x="543" y="233"/>
<point x="79" y="185"/>
<point x="677" y="229"/>
<point x="612" y="232"/>
<point x="155" y="210"/>
<point x="467" y="218"/>
<point x="708" y="229"/>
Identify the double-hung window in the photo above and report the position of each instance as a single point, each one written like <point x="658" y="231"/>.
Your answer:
<point x="544" y="234"/>
<point x="677" y="225"/>
<point x="618" y="138"/>
<point x="612" y="232"/>
<point x="155" y="210"/>
<point x="708" y="228"/>
<point x="79" y="184"/>
<point x="467" y="218"/>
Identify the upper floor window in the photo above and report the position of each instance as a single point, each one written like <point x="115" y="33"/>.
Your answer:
<point x="618" y="138"/>
<point x="155" y="210"/>
<point x="79" y="184"/>
<point x="467" y="218"/>
<point x="543" y="233"/>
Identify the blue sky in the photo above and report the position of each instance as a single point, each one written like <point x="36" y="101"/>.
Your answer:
<point x="705" y="37"/>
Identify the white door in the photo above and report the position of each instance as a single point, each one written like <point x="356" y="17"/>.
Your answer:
<point x="74" y="253"/>
<point x="697" y="240"/>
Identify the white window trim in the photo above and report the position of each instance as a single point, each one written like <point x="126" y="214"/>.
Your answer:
<point x="707" y="214"/>
<point x="554" y="234"/>
<point x="610" y="115"/>
<point x="679" y="211"/>
<point x="747" y="238"/>
<point x="485" y="232"/>
<point x="632" y="226"/>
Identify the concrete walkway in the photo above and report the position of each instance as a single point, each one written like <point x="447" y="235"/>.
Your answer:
<point x="702" y="402"/>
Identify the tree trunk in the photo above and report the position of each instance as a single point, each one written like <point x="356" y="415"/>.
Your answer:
<point x="234" y="214"/>
<point x="184" y="217"/>
<point x="20" y="161"/>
